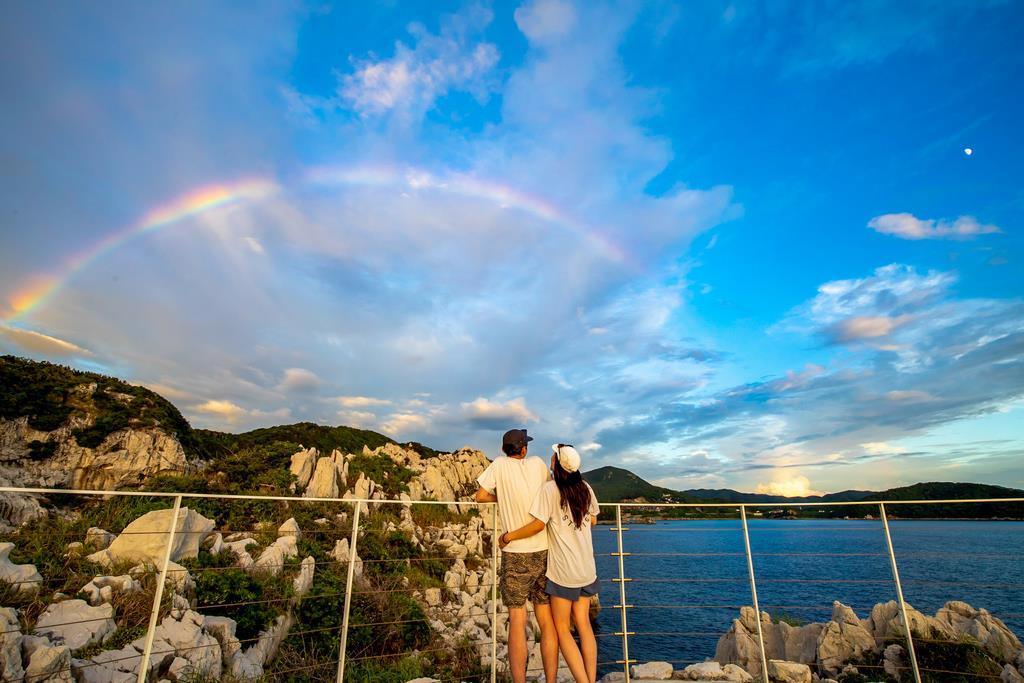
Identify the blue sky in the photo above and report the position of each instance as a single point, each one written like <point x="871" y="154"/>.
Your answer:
<point x="717" y="243"/>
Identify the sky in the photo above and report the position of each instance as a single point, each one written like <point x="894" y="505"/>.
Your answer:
<point x="766" y="246"/>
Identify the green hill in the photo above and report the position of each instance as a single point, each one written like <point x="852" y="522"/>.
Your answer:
<point x="614" y="485"/>
<point x="50" y="394"/>
<point x="943" y="490"/>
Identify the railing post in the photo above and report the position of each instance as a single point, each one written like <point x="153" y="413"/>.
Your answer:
<point x="158" y="598"/>
<point x="753" y="594"/>
<point x="348" y="592"/>
<point x="494" y="593"/>
<point x="622" y="593"/>
<point x="899" y="593"/>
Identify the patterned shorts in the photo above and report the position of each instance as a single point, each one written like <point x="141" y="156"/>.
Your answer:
<point x="523" y="578"/>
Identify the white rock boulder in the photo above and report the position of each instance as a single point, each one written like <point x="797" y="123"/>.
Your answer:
<point x="145" y="539"/>
<point x="76" y="624"/>
<point x="654" y="671"/>
<point x="788" y="672"/>
<point x="23" y="577"/>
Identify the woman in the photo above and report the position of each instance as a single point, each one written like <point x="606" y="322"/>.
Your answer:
<point x="568" y="507"/>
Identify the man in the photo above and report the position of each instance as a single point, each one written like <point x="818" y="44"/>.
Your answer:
<point x="512" y="481"/>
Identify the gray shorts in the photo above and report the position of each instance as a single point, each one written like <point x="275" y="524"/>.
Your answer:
<point x="572" y="594"/>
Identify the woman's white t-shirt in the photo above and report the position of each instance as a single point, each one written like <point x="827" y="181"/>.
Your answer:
<point x="570" y="550"/>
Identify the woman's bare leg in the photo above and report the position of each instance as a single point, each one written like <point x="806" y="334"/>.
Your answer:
<point x="560" y="611"/>
<point x="588" y="643"/>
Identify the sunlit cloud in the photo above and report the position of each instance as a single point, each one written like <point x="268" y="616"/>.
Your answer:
<point x="361" y="401"/>
<point x="222" y="409"/>
<point x="909" y="227"/>
<point x="300" y="380"/>
<point x="32" y="342"/>
<point x="487" y="414"/>
<point x="793" y="487"/>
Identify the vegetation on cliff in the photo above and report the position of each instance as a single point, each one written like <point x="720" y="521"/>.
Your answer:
<point x="48" y="395"/>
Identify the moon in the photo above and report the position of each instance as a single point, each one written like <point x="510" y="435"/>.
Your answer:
<point x="968" y="151"/>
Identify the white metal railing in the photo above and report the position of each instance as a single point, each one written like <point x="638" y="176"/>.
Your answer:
<point x="618" y="557"/>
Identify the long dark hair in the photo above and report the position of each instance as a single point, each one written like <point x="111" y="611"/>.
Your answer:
<point x="573" y="492"/>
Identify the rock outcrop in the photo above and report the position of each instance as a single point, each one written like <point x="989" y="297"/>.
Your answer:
<point x="829" y="647"/>
<point x="124" y="458"/>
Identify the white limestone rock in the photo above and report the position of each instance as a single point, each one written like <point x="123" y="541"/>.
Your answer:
<point x="102" y="588"/>
<point x="781" y="671"/>
<point x="223" y="630"/>
<point x="98" y="539"/>
<point x="191" y="642"/>
<point x="304" y="580"/>
<point x="10" y="645"/>
<point x="240" y="549"/>
<point x="894" y="660"/>
<point x="290" y="528"/>
<point x="1010" y="674"/>
<point x="736" y="673"/>
<point x="843" y="639"/>
<point x="324" y="482"/>
<point x="980" y="625"/>
<point x="76" y="624"/>
<point x="271" y="560"/>
<point x="49" y="664"/>
<point x="23" y="577"/>
<point x="302" y="464"/>
<point x="125" y="660"/>
<point x="704" y="671"/>
<point x="88" y="671"/>
<point x="654" y="671"/>
<point x="145" y="539"/>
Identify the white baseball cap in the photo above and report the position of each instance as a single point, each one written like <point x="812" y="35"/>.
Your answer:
<point x="568" y="458"/>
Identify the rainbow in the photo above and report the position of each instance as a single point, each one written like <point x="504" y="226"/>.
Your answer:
<point x="37" y="290"/>
<point x="505" y="196"/>
<point x="40" y="288"/>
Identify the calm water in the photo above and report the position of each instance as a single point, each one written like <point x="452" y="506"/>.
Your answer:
<point x="690" y="577"/>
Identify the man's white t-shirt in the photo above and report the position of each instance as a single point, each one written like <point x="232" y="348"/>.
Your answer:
<point x="570" y="550"/>
<point x="516" y="482"/>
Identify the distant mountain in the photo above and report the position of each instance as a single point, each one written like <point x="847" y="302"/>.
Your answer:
<point x="614" y="484"/>
<point x="944" y="490"/>
<point x="731" y="496"/>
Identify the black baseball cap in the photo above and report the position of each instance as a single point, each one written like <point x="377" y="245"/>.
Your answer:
<point x="515" y="437"/>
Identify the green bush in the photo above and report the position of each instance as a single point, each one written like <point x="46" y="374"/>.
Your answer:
<point x="235" y="594"/>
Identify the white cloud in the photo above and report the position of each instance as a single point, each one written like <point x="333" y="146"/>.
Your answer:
<point x="299" y="380"/>
<point x="254" y="245"/>
<point x="882" y="448"/>
<point x="907" y="226"/>
<point x="867" y="327"/>
<point x="401" y="425"/>
<point x="43" y="344"/>
<point x="912" y="395"/>
<point x="792" y="487"/>
<point x="415" y="77"/>
<point x="545" y="20"/>
<point x="493" y="414"/>
<point x="361" y="401"/>
<point x="222" y="409"/>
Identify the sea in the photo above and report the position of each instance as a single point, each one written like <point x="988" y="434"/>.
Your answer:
<point x="686" y="580"/>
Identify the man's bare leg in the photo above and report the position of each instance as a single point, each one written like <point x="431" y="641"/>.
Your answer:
<point x="548" y="641"/>
<point x="517" y="643"/>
